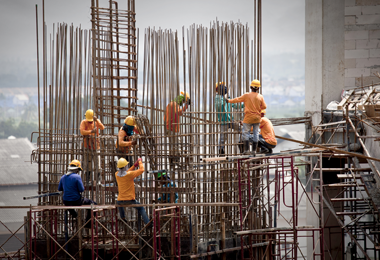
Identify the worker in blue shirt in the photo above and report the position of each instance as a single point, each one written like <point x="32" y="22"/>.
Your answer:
<point x="71" y="184"/>
<point x="165" y="182"/>
<point x="225" y="117"/>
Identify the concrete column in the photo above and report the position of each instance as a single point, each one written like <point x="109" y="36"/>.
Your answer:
<point x="324" y="75"/>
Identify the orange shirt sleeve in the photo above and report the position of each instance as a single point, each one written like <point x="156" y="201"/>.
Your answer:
<point x="99" y="125"/>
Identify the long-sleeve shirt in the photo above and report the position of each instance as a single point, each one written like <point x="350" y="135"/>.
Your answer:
<point x="72" y="186"/>
<point x="254" y="103"/>
<point x="172" y="116"/>
<point x="222" y="106"/>
<point x="267" y="131"/>
<point x="90" y="138"/>
<point x="126" y="185"/>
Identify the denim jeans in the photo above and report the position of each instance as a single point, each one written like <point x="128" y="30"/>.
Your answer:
<point x="140" y="210"/>
<point x="80" y="202"/>
<point x="224" y="129"/>
<point x="247" y="130"/>
<point x="263" y="143"/>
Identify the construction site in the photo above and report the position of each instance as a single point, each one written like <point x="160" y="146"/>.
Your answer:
<point x="222" y="206"/>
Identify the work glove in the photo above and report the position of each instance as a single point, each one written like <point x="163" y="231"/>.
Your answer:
<point x="137" y="162"/>
<point x="134" y="142"/>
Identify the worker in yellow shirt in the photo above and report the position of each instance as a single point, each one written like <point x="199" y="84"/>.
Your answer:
<point x="267" y="137"/>
<point x="89" y="129"/>
<point x="126" y="186"/>
<point x="125" y="140"/>
<point x="253" y="104"/>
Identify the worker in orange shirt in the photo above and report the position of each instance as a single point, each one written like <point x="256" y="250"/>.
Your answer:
<point x="253" y="104"/>
<point x="172" y="118"/>
<point x="125" y="183"/>
<point x="125" y="139"/>
<point x="89" y="129"/>
<point x="267" y="137"/>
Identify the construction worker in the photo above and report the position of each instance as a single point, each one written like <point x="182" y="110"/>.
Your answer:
<point x="165" y="182"/>
<point x="89" y="129"/>
<point x="126" y="186"/>
<point x="225" y="118"/>
<point x="253" y="104"/>
<point x="125" y="139"/>
<point x="72" y="187"/>
<point x="267" y="138"/>
<point x="172" y="118"/>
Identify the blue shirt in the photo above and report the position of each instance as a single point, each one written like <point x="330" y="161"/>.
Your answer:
<point x="72" y="186"/>
<point x="222" y="106"/>
<point x="163" y="198"/>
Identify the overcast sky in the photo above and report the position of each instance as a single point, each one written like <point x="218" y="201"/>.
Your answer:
<point x="283" y="21"/>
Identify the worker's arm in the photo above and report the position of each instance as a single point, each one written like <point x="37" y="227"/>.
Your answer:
<point x="98" y="123"/>
<point x="134" y="173"/>
<point x="80" y="185"/>
<point x="263" y="105"/>
<point x="236" y="100"/>
<point x="60" y="185"/>
<point x="83" y="130"/>
<point x="180" y="111"/>
<point x="123" y="143"/>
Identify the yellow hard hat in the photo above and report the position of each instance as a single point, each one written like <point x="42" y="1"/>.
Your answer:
<point x="218" y="84"/>
<point x="122" y="163"/>
<point x="130" y="120"/>
<point x="186" y="95"/>
<point x="255" y="83"/>
<point x="89" y="115"/>
<point x="76" y="163"/>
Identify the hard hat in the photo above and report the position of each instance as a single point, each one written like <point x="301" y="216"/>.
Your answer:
<point x="76" y="164"/>
<point x="186" y="95"/>
<point x="263" y="111"/>
<point x="130" y="120"/>
<point x="160" y="174"/>
<point x="255" y="83"/>
<point x="218" y="84"/>
<point x="122" y="163"/>
<point x="89" y="115"/>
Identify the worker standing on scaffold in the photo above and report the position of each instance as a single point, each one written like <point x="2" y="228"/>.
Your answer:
<point x="172" y="118"/>
<point x="89" y="129"/>
<point x="125" y="139"/>
<point x="125" y="182"/>
<point x="225" y="118"/>
<point x="253" y="103"/>
<point x="72" y="187"/>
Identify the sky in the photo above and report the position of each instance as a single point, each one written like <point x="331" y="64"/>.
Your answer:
<point x="283" y="22"/>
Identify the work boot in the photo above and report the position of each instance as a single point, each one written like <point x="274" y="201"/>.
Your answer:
<point x="246" y="148"/>
<point x="264" y="149"/>
<point x="241" y="147"/>
<point x="254" y="148"/>
<point x="221" y="151"/>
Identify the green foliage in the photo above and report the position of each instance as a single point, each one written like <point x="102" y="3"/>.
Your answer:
<point x="23" y="129"/>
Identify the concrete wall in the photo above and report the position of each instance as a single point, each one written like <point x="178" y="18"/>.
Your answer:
<point x="362" y="42"/>
<point x="324" y="60"/>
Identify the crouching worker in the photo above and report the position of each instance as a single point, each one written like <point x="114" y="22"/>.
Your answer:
<point x="126" y="186"/>
<point x="267" y="137"/>
<point x="165" y="182"/>
<point x="71" y="184"/>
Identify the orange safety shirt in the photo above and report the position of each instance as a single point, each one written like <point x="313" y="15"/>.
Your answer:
<point x="89" y="138"/>
<point x="172" y="116"/>
<point x="266" y="130"/>
<point x="253" y="104"/>
<point x="125" y="184"/>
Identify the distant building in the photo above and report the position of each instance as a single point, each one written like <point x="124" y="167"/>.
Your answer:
<point x="20" y="99"/>
<point x="18" y="178"/>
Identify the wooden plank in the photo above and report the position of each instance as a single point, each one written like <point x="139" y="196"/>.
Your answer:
<point x="348" y="176"/>
<point x="346" y="199"/>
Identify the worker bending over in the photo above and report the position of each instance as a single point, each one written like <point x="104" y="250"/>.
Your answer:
<point x="125" y="140"/>
<point x="267" y="137"/>
<point x="89" y="129"/>
<point x="165" y="182"/>
<point x="72" y="187"/>
<point x="253" y="104"/>
<point x="224" y="115"/>
<point x="126" y="186"/>
<point x="172" y="118"/>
